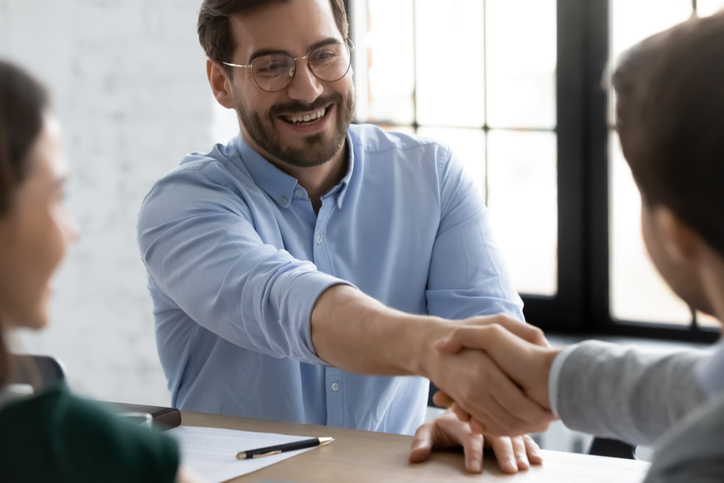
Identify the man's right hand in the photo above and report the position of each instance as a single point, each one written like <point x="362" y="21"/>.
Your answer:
<point x="480" y="385"/>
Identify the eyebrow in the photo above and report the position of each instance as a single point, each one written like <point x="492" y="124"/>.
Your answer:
<point x="260" y="52"/>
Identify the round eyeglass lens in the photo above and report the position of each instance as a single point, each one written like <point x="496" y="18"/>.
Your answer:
<point x="330" y="62"/>
<point x="273" y="72"/>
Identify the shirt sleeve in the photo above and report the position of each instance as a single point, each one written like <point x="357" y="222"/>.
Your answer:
<point x="468" y="275"/>
<point x="200" y="247"/>
<point x="625" y="392"/>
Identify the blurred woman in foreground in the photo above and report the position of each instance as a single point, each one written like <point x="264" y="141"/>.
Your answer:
<point x="53" y="435"/>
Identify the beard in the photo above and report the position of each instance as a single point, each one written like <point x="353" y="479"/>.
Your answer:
<point x="316" y="150"/>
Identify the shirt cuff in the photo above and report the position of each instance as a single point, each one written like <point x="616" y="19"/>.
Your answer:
<point x="555" y="374"/>
<point x="302" y="295"/>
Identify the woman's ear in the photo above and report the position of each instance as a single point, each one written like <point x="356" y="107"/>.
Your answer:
<point x="220" y="84"/>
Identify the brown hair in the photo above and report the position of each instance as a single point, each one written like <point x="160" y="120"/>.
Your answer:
<point x="215" y="33"/>
<point x="22" y="104"/>
<point x="670" y="118"/>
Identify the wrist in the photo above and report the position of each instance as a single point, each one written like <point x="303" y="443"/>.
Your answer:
<point x="542" y="396"/>
<point x="423" y="332"/>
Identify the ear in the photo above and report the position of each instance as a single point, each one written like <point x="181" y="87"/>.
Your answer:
<point x="679" y="241"/>
<point x="220" y="84"/>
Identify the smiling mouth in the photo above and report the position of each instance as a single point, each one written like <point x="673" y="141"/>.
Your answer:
<point x="306" y="118"/>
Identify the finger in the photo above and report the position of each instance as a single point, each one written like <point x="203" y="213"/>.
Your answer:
<point x="521" y="455"/>
<point x="478" y="332"/>
<point x="477" y="427"/>
<point x="441" y="399"/>
<point x="503" y="449"/>
<point x="462" y="415"/>
<point x="516" y="403"/>
<point x="502" y="407"/>
<point x="471" y="337"/>
<point x="533" y="451"/>
<point x="473" y="447"/>
<point x="421" y="443"/>
<point x="515" y="412"/>
<point x="494" y="419"/>
<point x="527" y="332"/>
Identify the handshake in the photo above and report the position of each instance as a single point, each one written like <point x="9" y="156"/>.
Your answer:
<point x="493" y="373"/>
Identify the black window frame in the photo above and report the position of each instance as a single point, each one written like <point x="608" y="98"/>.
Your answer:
<point x="581" y="305"/>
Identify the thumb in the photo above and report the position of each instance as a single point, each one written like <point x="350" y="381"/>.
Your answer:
<point x="449" y="345"/>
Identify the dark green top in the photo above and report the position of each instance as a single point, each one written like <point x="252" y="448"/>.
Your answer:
<point x="57" y="437"/>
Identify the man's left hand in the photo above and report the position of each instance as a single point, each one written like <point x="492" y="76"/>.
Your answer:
<point x="447" y="431"/>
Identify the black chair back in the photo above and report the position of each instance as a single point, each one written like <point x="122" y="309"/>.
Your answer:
<point x="612" y="448"/>
<point x="37" y="371"/>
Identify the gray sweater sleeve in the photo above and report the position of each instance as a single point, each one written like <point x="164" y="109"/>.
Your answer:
<point x="627" y="393"/>
<point x="694" y="449"/>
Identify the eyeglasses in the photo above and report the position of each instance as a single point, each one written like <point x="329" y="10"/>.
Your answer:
<point x="273" y="72"/>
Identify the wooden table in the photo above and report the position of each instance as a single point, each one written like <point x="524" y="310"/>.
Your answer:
<point x="363" y="456"/>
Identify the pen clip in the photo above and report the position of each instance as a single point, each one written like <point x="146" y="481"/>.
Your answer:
<point x="270" y="453"/>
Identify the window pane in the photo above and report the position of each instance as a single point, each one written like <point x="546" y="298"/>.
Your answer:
<point x="637" y="290"/>
<point x="523" y="205"/>
<point x="467" y="144"/>
<point x="400" y="129"/>
<point x="634" y="20"/>
<point x="388" y="46"/>
<point x="704" y="320"/>
<point x="521" y="49"/>
<point x="450" y="81"/>
<point x="708" y="7"/>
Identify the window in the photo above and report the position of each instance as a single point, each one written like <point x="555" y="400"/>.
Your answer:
<point x="638" y="293"/>
<point x="514" y="87"/>
<point x="465" y="72"/>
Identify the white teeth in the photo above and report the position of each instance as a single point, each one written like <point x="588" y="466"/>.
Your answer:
<point x="310" y="117"/>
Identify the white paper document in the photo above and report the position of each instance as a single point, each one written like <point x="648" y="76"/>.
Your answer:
<point x="211" y="452"/>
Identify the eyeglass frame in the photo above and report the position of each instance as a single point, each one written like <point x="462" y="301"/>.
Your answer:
<point x="348" y="43"/>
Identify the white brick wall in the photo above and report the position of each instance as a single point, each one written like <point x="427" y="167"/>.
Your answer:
<point x="129" y="86"/>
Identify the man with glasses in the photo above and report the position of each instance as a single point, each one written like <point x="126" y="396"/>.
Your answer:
<point x="297" y="268"/>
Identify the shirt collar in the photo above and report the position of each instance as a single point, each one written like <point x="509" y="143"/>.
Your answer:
<point x="279" y="185"/>
<point x="710" y="372"/>
<point x="341" y="189"/>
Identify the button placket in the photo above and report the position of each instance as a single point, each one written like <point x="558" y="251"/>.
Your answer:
<point x="335" y="396"/>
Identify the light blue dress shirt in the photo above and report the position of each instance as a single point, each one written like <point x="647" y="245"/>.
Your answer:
<point x="236" y="259"/>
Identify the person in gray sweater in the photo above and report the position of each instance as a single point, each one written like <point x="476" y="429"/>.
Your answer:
<point x="670" y="120"/>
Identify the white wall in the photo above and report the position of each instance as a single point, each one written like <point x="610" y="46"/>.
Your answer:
<point x="129" y="86"/>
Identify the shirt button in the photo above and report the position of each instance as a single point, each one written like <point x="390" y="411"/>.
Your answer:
<point x="283" y="200"/>
<point x="319" y="239"/>
<point x="335" y="386"/>
<point x="299" y="193"/>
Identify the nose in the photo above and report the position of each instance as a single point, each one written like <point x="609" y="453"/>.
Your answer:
<point x="304" y="86"/>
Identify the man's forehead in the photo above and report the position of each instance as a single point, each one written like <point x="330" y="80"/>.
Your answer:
<point x="285" y="26"/>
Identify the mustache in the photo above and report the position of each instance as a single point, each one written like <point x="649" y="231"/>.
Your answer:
<point x="293" y="107"/>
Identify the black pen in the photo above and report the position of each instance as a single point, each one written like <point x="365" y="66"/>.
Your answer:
<point x="281" y="448"/>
